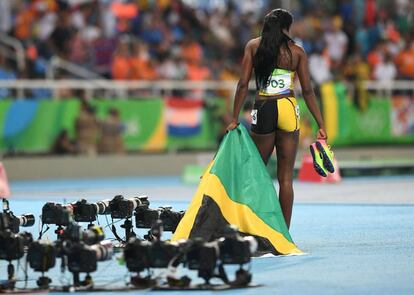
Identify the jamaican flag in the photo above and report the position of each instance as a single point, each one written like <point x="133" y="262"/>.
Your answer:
<point x="237" y="189"/>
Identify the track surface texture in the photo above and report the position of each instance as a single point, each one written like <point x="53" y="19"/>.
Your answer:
<point x="358" y="234"/>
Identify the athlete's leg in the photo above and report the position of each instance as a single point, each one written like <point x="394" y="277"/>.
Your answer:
<point x="286" y="146"/>
<point x="265" y="144"/>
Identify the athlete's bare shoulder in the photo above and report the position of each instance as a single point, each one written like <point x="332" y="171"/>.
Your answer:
<point x="254" y="41"/>
<point x="297" y="49"/>
<point x="253" y="44"/>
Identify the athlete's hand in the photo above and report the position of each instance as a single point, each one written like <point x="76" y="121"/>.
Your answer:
<point x="233" y="124"/>
<point x="322" y="134"/>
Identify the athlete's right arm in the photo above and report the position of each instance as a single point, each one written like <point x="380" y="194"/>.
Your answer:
<point x="243" y="84"/>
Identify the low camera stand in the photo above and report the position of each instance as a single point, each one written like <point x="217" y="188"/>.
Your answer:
<point x="8" y="285"/>
<point x="43" y="282"/>
<point x="78" y="283"/>
<point x="129" y="232"/>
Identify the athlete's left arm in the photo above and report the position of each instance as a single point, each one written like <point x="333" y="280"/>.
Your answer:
<point x="308" y="93"/>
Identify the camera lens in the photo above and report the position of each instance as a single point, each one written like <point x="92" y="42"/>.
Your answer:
<point x="252" y="242"/>
<point x="103" y="250"/>
<point x="93" y="235"/>
<point x="103" y="207"/>
<point x="26" y="219"/>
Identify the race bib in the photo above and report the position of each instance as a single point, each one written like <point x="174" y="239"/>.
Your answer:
<point x="297" y="111"/>
<point x="279" y="84"/>
<point x="254" y="117"/>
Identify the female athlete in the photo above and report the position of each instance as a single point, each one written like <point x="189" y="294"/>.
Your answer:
<point x="276" y="59"/>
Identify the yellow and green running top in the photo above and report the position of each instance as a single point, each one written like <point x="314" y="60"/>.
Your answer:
<point x="237" y="189"/>
<point x="279" y="83"/>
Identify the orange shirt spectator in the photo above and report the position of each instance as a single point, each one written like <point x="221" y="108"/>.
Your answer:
<point x="191" y="51"/>
<point x="142" y="69"/>
<point x="374" y="58"/>
<point x="405" y="62"/>
<point x="121" y="68"/>
<point x="23" y="26"/>
<point x="121" y="62"/>
<point x="197" y="72"/>
<point x="141" y="66"/>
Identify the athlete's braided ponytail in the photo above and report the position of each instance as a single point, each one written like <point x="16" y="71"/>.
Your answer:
<point x="267" y="55"/>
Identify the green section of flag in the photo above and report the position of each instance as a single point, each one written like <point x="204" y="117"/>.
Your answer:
<point x="243" y="174"/>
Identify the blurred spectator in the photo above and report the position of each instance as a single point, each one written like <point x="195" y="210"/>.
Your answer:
<point x="121" y="61"/>
<point x="60" y="39"/>
<point x="197" y="71"/>
<point x="79" y="50"/>
<point x="228" y="73"/>
<point x="174" y="35"/>
<point x="5" y="74"/>
<point x="5" y="16"/>
<point x="319" y="68"/>
<point x="357" y="71"/>
<point x="142" y="67"/>
<point x="376" y="55"/>
<point x="86" y="127"/>
<point x="336" y="42"/>
<point x="405" y="62"/>
<point x="23" y="22"/>
<point x="386" y="70"/>
<point x="173" y="68"/>
<point x="63" y="145"/>
<point x="191" y="51"/>
<point x="111" y="134"/>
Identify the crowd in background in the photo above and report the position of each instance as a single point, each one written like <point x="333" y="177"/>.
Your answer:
<point x="198" y="40"/>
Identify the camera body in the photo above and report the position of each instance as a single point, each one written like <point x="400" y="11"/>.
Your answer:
<point x="12" y="244"/>
<point x="161" y="253"/>
<point x="137" y="255"/>
<point x="41" y="256"/>
<point x="54" y="213"/>
<point x="235" y="249"/>
<point x="202" y="256"/>
<point x="87" y="212"/>
<point x="74" y="233"/>
<point x="84" y="258"/>
<point x="141" y="254"/>
<point x="122" y="208"/>
<point x="12" y="222"/>
<point x="146" y="217"/>
<point x="84" y="211"/>
<point x="81" y="258"/>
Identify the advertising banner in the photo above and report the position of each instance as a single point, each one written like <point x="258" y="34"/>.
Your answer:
<point x="143" y="119"/>
<point x="157" y="124"/>
<point x="32" y="126"/>
<point x="198" y="130"/>
<point x="402" y="117"/>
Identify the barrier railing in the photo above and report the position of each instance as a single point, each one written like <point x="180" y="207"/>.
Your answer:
<point x="18" y="49"/>
<point x="158" y="87"/>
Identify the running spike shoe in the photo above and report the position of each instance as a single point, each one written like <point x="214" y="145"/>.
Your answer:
<point x="318" y="160"/>
<point x="327" y="154"/>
